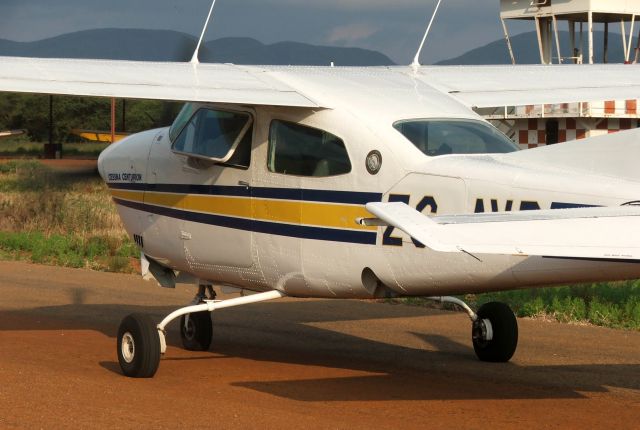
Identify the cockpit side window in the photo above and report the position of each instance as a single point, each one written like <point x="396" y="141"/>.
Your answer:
<point x="295" y="149"/>
<point x="183" y="117"/>
<point x="442" y="136"/>
<point x="216" y="135"/>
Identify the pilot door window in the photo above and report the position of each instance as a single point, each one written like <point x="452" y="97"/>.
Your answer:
<point x="304" y="151"/>
<point x="218" y="135"/>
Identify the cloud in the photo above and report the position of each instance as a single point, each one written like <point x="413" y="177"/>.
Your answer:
<point x="351" y="33"/>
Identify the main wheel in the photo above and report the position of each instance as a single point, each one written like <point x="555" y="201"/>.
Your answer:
<point x="138" y="346"/>
<point x="496" y="341"/>
<point x="197" y="332"/>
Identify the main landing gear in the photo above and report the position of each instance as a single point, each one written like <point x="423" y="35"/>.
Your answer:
<point x="141" y="342"/>
<point x="494" y="330"/>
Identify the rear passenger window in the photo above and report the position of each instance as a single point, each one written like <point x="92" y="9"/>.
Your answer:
<point x="304" y="151"/>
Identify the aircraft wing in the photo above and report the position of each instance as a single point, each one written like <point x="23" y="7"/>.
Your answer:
<point x="218" y="83"/>
<point x="494" y="86"/>
<point x="608" y="233"/>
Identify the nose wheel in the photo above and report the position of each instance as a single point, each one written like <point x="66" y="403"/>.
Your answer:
<point x="138" y="346"/>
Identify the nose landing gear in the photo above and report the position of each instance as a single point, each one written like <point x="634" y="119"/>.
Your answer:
<point x="141" y="341"/>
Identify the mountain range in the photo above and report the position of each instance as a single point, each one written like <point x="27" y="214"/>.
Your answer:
<point x="525" y="47"/>
<point x="165" y="45"/>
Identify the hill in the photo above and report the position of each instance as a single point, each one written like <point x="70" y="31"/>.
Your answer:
<point x="525" y="47"/>
<point x="165" y="45"/>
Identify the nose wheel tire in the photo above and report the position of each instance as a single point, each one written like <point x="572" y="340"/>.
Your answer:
<point x="495" y="333"/>
<point x="138" y="346"/>
<point x="196" y="330"/>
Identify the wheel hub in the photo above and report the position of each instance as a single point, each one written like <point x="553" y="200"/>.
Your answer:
<point x="128" y="347"/>
<point x="482" y="331"/>
<point x="189" y="328"/>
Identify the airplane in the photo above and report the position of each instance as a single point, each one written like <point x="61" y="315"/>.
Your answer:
<point x="98" y="136"/>
<point x="356" y="183"/>
<point x="11" y="133"/>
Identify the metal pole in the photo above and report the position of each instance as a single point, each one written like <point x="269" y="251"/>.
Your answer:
<point x="605" y="58"/>
<point x="555" y="30"/>
<point x="124" y="115"/>
<point x="49" y="148"/>
<point x="572" y="39"/>
<point x="623" y="30"/>
<point x="508" y="39"/>
<point x="113" y="120"/>
<point x="590" y="19"/>
<point x="50" y="120"/>
<point x="638" y="48"/>
<point x="628" y="54"/>
<point x="538" y="33"/>
<point x="581" y="42"/>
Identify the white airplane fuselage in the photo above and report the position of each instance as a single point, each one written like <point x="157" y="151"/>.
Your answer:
<point x="260" y="230"/>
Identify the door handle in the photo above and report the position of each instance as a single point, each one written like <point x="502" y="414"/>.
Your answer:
<point x="244" y="184"/>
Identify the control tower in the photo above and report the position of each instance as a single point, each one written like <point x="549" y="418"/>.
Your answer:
<point x="545" y="124"/>
<point x="580" y="16"/>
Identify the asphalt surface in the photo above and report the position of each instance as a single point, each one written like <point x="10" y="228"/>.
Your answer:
<point x="295" y="364"/>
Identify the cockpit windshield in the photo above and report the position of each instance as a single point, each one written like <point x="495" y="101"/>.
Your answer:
<point x="183" y="117"/>
<point x="454" y="136"/>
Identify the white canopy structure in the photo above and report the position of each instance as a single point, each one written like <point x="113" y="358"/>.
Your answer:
<point x="577" y="13"/>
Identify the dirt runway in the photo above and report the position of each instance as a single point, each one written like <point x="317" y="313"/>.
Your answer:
<point x="295" y="364"/>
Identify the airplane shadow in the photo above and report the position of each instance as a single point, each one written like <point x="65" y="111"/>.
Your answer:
<point x="437" y="368"/>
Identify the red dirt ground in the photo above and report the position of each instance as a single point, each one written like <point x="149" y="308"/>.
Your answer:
<point x="295" y="364"/>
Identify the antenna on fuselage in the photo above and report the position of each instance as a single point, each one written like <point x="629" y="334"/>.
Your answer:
<point x="194" y="59"/>
<point x="416" y="59"/>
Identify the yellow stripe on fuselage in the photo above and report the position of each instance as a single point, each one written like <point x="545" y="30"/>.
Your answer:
<point x="331" y="215"/>
<point x="134" y="196"/>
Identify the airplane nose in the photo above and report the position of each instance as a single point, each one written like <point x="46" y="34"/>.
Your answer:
<point x="101" y="159"/>
<point x="126" y="160"/>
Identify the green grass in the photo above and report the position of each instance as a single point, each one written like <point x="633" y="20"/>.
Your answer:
<point x="607" y="304"/>
<point x="96" y="252"/>
<point x="67" y="219"/>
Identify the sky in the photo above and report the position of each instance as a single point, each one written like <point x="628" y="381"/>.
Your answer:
<point x="393" y="27"/>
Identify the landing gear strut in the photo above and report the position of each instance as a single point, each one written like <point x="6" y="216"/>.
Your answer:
<point x="141" y="342"/>
<point x="494" y="331"/>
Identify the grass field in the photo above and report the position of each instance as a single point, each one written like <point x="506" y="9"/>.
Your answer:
<point x="68" y="219"/>
<point x="607" y="304"/>
<point x="52" y="217"/>
<point x="20" y="147"/>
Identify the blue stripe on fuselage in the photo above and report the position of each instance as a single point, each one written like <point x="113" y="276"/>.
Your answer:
<point x="296" y="194"/>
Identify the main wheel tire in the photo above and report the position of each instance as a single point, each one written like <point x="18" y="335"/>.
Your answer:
<point x="504" y="325"/>
<point x="138" y="346"/>
<point x="197" y="333"/>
